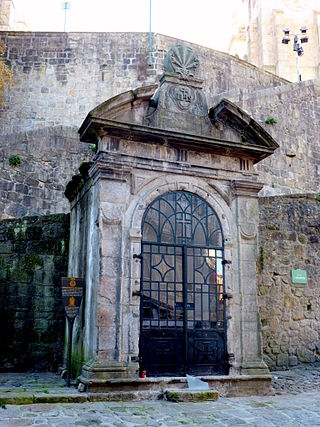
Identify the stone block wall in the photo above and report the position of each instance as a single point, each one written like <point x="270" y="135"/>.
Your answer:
<point x="295" y="166"/>
<point x="289" y="238"/>
<point x="61" y="76"/>
<point x="48" y="159"/>
<point x="33" y="258"/>
<point x="58" y="79"/>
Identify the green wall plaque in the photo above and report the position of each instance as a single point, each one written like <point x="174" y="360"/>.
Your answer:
<point x="299" y="277"/>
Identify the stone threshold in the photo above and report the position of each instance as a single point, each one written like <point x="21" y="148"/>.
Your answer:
<point x="137" y="389"/>
<point x="227" y="386"/>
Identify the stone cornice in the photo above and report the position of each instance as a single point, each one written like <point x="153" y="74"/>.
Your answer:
<point x="94" y="127"/>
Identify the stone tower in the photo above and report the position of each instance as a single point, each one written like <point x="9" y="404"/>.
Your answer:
<point x="266" y="20"/>
<point x="9" y="19"/>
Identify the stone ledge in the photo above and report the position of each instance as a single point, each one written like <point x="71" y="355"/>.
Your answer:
<point x="28" y="398"/>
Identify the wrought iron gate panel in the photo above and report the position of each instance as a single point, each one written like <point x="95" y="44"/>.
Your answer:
<point x="182" y="286"/>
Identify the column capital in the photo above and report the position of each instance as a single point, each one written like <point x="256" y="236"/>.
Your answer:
<point x="246" y="188"/>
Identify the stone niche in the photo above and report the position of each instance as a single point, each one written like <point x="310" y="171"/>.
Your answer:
<point x="194" y="307"/>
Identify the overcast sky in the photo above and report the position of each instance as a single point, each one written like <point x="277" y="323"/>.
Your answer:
<point x="206" y="22"/>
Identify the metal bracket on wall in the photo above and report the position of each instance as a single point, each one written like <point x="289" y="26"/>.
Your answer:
<point x="136" y="293"/>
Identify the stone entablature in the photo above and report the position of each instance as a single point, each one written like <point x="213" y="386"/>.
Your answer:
<point x="138" y="159"/>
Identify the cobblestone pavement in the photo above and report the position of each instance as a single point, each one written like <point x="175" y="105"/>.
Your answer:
<point x="283" y="410"/>
<point x="296" y="403"/>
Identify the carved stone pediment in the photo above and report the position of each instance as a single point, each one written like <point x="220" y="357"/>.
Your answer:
<point x="248" y="129"/>
<point x="176" y="113"/>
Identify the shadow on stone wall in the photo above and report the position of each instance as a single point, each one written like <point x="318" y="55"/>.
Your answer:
<point x="33" y="258"/>
<point x="289" y="238"/>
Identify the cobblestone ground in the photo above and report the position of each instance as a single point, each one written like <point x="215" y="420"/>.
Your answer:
<point x="296" y="403"/>
<point x="300" y="379"/>
<point x="283" y="410"/>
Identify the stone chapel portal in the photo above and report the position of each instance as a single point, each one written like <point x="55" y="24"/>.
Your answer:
<point x="182" y="288"/>
<point x="168" y="220"/>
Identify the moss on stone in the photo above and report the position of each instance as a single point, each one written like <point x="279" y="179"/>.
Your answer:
<point x="186" y="395"/>
<point x="302" y="239"/>
<point x="271" y="227"/>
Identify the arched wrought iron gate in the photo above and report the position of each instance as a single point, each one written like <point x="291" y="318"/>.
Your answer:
<point x="183" y="328"/>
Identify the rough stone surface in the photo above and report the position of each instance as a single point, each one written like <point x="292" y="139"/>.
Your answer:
<point x="48" y="159"/>
<point x="191" y="396"/>
<point x="289" y="238"/>
<point x="33" y="257"/>
<point x="60" y="77"/>
<point x="296" y="404"/>
<point x="296" y="109"/>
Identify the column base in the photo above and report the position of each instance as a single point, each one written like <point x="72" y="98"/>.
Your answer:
<point x="254" y="368"/>
<point x="98" y="372"/>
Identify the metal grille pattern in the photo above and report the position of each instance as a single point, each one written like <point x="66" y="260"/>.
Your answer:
<point x="182" y="305"/>
<point x="182" y="218"/>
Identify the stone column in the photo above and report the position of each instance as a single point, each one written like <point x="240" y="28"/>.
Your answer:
<point x="245" y="209"/>
<point x="110" y="361"/>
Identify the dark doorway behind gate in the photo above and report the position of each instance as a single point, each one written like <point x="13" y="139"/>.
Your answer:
<point x="183" y="328"/>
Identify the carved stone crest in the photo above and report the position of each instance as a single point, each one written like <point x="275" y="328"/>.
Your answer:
<point x="181" y="60"/>
<point x="183" y="96"/>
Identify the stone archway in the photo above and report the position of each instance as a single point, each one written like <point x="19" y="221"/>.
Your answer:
<point x="182" y="305"/>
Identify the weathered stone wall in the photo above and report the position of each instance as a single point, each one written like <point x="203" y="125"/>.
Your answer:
<point x="290" y="314"/>
<point x="48" y="158"/>
<point x="33" y="258"/>
<point x="59" y="78"/>
<point x="295" y="166"/>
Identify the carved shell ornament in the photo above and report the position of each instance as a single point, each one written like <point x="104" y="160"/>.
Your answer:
<point x="181" y="60"/>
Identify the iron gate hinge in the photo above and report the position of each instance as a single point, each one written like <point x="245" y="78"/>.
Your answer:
<point x="136" y="293"/>
<point x="225" y="261"/>
<point x="137" y="256"/>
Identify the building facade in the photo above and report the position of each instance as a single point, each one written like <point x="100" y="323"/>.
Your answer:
<point x="59" y="77"/>
<point x="164" y="230"/>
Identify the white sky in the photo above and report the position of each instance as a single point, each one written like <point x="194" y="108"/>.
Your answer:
<point x="206" y="22"/>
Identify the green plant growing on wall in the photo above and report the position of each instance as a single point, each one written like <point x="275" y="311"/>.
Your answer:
<point x="93" y="148"/>
<point x="318" y="198"/>
<point x="270" y="121"/>
<point x="14" y="160"/>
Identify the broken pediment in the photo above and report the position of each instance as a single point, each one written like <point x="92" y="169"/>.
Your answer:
<point x="177" y="113"/>
<point x="232" y="116"/>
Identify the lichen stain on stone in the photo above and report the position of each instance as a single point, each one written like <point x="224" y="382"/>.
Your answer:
<point x="20" y="230"/>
